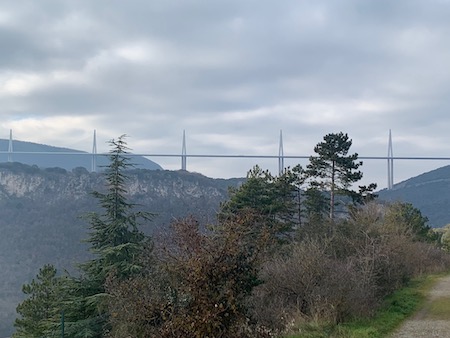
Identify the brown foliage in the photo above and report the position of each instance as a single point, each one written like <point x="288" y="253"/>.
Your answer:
<point x="310" y="284"/>
<point x="218" y="282"/>
<point x="197" y="286"/>
<point x="346" y="272"/>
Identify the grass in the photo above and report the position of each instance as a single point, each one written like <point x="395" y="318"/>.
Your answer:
<point x="394" y="310"/>
<point x="439" y="309"/>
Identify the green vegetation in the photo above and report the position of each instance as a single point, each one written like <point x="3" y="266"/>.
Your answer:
<point x="278" y="259"/>
<point x="267" y="199"/>
<point x="439" y="309"/>
<point x="40" y="217"/>
<point x="116" y="243"/>
<point x="428" y="192"/>
<point x="392" y="312"/>
<point x="333" y="169"/>
<point x="44" y="304"/>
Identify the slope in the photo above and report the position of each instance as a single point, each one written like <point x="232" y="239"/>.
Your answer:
<point x="40" y="213"/>
<point x="46" y="156"/>
<point x="429" y="192"/>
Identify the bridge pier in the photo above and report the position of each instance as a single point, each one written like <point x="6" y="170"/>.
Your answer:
<point x="390" y="164"/>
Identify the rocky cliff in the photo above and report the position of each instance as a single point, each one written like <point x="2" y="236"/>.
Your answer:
<point x="40" y="213"/>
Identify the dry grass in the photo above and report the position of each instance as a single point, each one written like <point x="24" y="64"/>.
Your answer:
<point x="439" y="309"/>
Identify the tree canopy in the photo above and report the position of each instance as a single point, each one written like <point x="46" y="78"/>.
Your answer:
<point x="266" y="197"/>
<point x="116" y="244"/>
<point x="333" y="169"/>
<point x="245" y="275"/>
<point x="43" y="305"/>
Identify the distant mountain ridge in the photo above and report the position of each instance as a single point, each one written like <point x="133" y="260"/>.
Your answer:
<point x="429" y="192"/>
<point x="82" y="159"/>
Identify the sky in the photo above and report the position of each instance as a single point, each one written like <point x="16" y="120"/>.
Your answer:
<point x="231" y="74"/>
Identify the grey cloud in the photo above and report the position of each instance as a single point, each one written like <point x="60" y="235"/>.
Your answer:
<point x="154" y="68"/>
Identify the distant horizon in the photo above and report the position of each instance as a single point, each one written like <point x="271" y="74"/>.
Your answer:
<point x="150" y="156"/>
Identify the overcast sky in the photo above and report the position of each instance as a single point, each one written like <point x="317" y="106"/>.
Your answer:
<point x="232" y="74"/>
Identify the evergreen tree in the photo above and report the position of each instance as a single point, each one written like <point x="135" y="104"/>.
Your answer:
<point x="267" y="198"/>
<point x="300" y="176"/>
<point x="316" y="204"/>
<point x="116" y="243"/>
<point x="333" y="169"/>
<point x="115" y="238"/>
<point x="43" y="305"/>
<point x="405" y="217"/>
<point x="364" y="195"/>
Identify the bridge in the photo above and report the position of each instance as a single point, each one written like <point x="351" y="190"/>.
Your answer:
<point x="281" y="157"/>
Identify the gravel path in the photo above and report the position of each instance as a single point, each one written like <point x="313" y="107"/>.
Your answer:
<point x="431" y="320"/>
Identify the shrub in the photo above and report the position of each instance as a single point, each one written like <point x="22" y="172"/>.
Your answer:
<point x="348" y="272"/>
<point x="197" y="285"/>
<point x="310" y="284"/>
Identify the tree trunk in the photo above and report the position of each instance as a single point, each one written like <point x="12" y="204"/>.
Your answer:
<point x="333" y="170"/>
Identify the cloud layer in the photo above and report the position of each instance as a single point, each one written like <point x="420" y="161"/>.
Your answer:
<point x="232" y="74"/>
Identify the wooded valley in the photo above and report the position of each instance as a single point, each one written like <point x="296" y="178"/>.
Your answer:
<point x="280" y="252"/>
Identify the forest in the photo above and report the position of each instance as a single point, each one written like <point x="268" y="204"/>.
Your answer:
<point x="285" y="251"/>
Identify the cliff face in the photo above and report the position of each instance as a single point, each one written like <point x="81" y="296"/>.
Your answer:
<point x="37" y="184"/>
<point x="40" y="220"/>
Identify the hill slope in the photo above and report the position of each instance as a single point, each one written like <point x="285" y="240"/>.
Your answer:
<point x="429" y="192"/>
<point x="65" y="161"/>
<point x="40" y="213"/>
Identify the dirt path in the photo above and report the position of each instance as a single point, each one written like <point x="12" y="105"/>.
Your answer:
<point x="433" y="320"/>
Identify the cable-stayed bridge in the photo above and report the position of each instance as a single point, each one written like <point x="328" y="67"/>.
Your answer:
<point x="183" y="156"/>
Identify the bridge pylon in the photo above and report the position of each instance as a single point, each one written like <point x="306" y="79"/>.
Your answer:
<point x="183" y="153"/>
<point x="10" y="147"/>
<point x="281" y="155"/>
<point x="94" y="153"/>
<point x="390" y="163"/>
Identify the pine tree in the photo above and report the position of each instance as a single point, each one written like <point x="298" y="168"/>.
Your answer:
<point x="299" y="177"/>
<point x="43" y="305"/>
<point x="267" y="198"/>
<point x="333" y="169"/>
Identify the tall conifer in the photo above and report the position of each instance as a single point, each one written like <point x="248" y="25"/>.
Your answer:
<point x="333" y="169"/>
<point x="115" y="240"/>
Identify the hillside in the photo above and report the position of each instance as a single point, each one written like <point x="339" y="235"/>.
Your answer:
<point x="65" y="161"/>
<point x="40" y="213"/>
<point x="429" y="192"/>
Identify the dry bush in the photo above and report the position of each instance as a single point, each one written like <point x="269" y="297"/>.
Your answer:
<point x="312" y="285"/>
<point x="288" y="281"/>
<point x="217" y="283"/>
<point x="419" y="258"/>
<point x="432" y="259"/>
<point x="139" y="305"/>
<point x="197" y="287"/>
<point x="392" y="242"/>
<point x="347" y="273"/>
